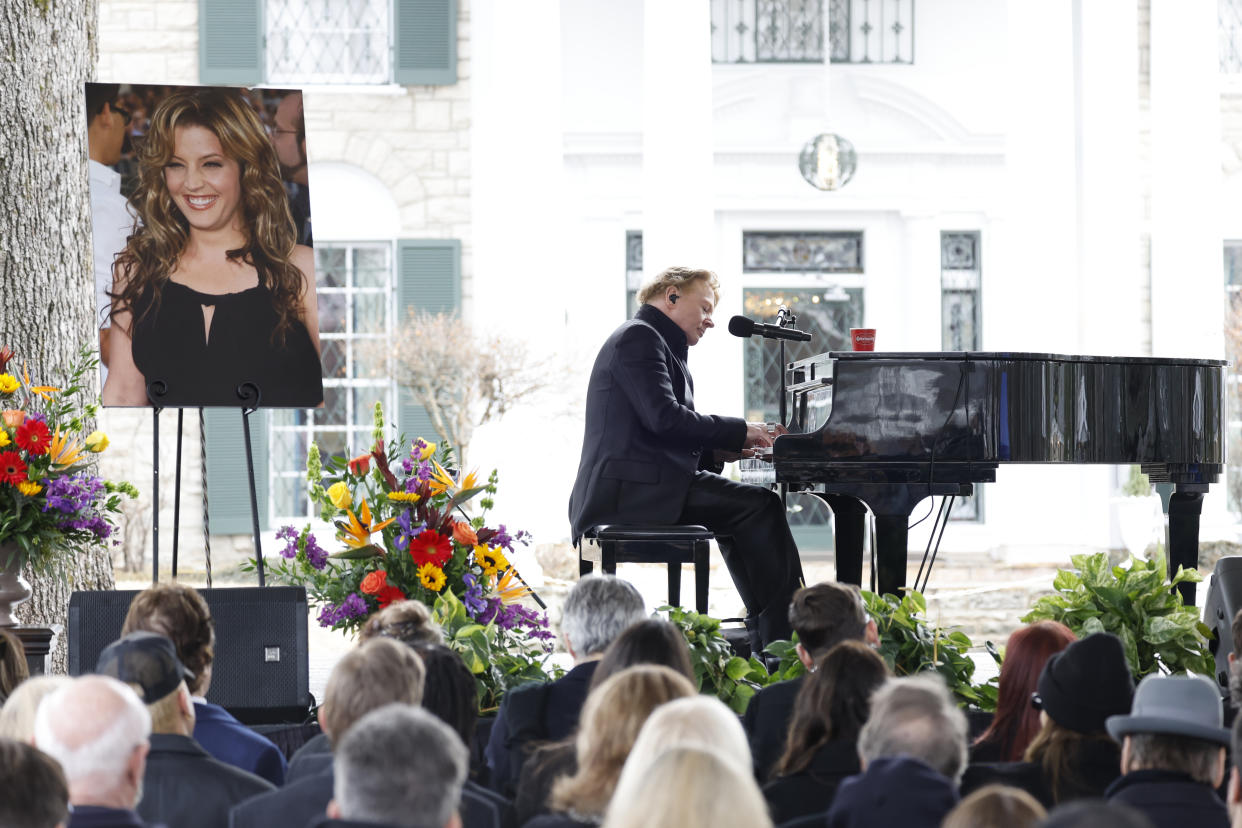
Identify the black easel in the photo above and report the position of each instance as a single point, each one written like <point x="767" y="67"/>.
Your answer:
<point x="250" y="395"/>
<point x="156" y="389"/>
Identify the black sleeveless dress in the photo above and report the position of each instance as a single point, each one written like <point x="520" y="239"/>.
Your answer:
<point x="170" y="345"/>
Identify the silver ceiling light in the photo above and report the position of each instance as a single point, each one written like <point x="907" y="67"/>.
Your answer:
<point x="828" y="161"/>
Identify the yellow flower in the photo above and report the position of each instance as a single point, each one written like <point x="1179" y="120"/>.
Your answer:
<point x="96" y="442"/>
<point x="62" y="451"/>
<point x="339" y="494"/>
<point x="432" y="577"/>
<point x="4" y="438"/>
<point x="492" y="560"/>
<point x="403" y="497"/>
<point x="428" y="448"/>
<point x="357" y="533"/>
<point x="440" y="480"/>
<point x="29" y="488"/>
<point x="8" y="384"/>
<point x="509" y="591"/>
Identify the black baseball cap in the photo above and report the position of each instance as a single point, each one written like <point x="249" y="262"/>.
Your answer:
<point x="146" y="660"/>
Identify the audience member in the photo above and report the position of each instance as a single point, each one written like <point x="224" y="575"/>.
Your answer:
<point x="17" y="716"/>
<point x="653" y="641"/>
<point x="1016" y="722"/>
<point x="289" y="139"/>
<point x="697" y="721"/>
<point x="36" y="794"/>
<point x="13" y="667"/>
<point x="407" y="621"/>
<point x="689" y="787"/>
<point x="612" y="717"/>
<point x="377" y="672"/>
<point x="1173" y="752"/>
<point x="1233" y="798"/>
<point x="1072" y="756"/>
<point x="597" y="610"/>
<point x="822" y="616"/>
<point x="179" y="613"/>
<point x="398" y="766"/>
<point x="1095" y="813"/>
<point x="96" y="728"/>
<point x="914" y="742"/>
<point x="183" y="785"/>
<point x="821" y="748"/>
<point x="996" y="806"/>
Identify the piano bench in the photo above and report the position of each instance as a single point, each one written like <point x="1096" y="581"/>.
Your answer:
<point x="610" y="544"/>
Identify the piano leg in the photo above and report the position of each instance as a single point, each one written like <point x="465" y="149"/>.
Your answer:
<point x="849" y="524"/>
<point x="1184" y="510"/>
<point x="891" y="537"/>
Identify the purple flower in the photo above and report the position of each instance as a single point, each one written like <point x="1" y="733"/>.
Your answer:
<point x="409" y="531"/>
<point x="424" y="471"/>
<point x="503" y="538"/>
<point x="407" y="465"/>
<point x="77" y="497"/>
<point x="316" y="556"/>
<point x="352" y="607"/>
<point x="473" y="596"/>
<point x="290" y="536"/>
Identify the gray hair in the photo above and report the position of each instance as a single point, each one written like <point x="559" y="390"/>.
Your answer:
<point x="91" y="726"/>
<point x="915" y="716"/>
<point x="1197" y="758"/>
<point x="597" y="610"/>
<point x="399" y="765"/>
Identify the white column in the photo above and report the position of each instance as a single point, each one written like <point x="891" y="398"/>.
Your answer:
<point x="1187" y="288"/>
<point x="678" y="217"/>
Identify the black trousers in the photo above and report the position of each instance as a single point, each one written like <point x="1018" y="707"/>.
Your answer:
<point x="753" y="534"/>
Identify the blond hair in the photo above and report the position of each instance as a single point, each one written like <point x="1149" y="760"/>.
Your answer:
<point x="699" y="721"/>
<point x="378" y="672"/>
<point x="689" y="786"/>
<point x="407" y="621"/>
<point x="996" y="805"/>
<point x="18" y="713"/>
<point x="680" y="278"/>
<point x="612" y="717"/>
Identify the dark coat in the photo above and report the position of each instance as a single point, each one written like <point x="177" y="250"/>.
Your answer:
<point x="185" y="787"/>
<point x="552" y="716"/>
<point x="91" y="816"/>
<point x="811" y="790"/>
<point x="1170" y="800"/>
<point x="545" y="765"/>
<point x="643" y="441"/>
<point x="767" y="724"/>
<point x="1097" y="764"/>
<point x="233" y="743"/>
<point x="308" y="764"/>
<point x="893" y="792"/>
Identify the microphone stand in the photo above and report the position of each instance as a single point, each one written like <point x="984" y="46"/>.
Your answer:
<point x="784" y="319"/>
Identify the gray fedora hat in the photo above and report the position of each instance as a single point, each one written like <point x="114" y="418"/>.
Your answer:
<point x="1174" y="705"/>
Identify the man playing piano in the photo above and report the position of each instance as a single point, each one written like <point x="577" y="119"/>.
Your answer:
<point x="649" y="458"/>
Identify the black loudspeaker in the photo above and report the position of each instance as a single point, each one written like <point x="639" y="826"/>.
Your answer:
<point x="1224" y="599"/>
<point x="260" y="674"/>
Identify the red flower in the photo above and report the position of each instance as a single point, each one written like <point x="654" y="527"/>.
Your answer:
<point x="389" y="594"/>
<point x="360" y="464"/>
<point x="33" y="436"/>
<point x="431" y="547"/>
<point x="374" y="582"/>
<point x="12" y="469"/>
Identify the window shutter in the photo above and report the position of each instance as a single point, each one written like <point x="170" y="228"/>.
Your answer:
<point x="428" y="278"/>
<point x="424" y="42"/>
<point x="228" y="486"/>
<point x="230" y="41"/>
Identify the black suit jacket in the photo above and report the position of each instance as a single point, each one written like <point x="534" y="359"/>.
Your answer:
<point x="767" y="724"/>
<point x="184" y="786"/>
<point x="644" y="441"/>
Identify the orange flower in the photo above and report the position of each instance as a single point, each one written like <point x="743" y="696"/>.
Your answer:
<point x="357" y="533"/>
<point x="464" y="534"/>
<point x="13" y="417"/>
<point x="374" y="582"/>
<point x="360" y="464"/>
<point x="44" y="391"/>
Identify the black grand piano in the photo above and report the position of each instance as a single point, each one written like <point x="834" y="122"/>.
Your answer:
<point x="882" y="431"/>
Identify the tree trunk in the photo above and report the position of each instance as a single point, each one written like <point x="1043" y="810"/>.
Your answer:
<point x="48" y="305"/>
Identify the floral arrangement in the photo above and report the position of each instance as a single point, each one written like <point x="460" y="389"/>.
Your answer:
<point x="402" y="532"/>
<point x="52" y="503"/>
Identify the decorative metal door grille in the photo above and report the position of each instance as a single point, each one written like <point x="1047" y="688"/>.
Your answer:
<point x="328" y="41"/>
<point x="792" y="31"/>
<point x="959" y="322"/>
<point x="355" y="290"/>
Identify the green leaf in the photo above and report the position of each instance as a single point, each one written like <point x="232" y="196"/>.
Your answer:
<point x="736" y="668"/>
<point x="358" y="554"/>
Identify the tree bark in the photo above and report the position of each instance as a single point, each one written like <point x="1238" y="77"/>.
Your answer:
<point x="47" y="303"/>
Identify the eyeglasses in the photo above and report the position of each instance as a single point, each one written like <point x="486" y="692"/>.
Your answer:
<point x="1037" y="701"/>
<point x="123" y="112"/>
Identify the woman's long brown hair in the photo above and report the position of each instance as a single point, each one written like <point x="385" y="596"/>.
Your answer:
<point x="153" y="250"/>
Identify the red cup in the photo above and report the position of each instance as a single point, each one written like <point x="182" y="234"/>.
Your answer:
<point x="863" y="338"/>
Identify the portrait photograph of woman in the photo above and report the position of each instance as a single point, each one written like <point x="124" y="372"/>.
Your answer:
<point x="212" y="301"/>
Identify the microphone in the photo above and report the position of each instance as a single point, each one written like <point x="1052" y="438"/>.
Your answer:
<point x="741" y="326"/>
<point x="785" y="316"/>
